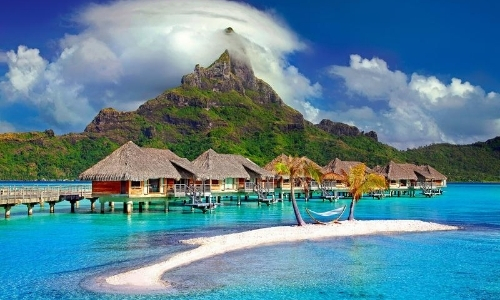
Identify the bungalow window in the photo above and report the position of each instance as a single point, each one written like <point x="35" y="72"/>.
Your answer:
<point x="154" y="185"/>
<point x="135" y="184"/>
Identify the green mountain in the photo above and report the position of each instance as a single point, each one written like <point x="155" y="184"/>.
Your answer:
<point x="226" y="108"/>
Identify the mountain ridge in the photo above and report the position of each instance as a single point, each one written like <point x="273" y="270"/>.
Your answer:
<point x="226" y="108"/>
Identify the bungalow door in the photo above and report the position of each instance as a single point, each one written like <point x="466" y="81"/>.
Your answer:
<point x="229" y="184"/>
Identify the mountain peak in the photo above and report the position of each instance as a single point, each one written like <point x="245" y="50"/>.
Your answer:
<point x="225" y="74"/>
<point x="232" y="71"/>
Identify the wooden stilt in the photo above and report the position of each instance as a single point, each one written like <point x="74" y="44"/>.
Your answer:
<point x="127" y="207"/>
<point x="30" y="209"/>
<point x="92" y="204"/>
<point x="52" y="207"/>
<point x="7" y="211"/>
<point x="103" y="204"/>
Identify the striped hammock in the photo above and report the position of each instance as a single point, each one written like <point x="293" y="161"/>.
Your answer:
<point x="335" y="212"/>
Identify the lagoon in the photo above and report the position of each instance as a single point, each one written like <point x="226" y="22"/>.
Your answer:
<point x="58" y="256"/>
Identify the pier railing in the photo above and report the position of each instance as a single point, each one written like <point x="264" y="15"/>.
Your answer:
<point x="19" y="194"/>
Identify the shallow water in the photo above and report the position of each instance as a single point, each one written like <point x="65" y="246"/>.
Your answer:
<point x="57" y="256"/>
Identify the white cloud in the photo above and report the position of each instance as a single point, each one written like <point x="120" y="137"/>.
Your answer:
<point x="26" y="68"/>
<point x="419" y="111"/>
<point x="370" y="78"/>
<point x="130" y="51"/>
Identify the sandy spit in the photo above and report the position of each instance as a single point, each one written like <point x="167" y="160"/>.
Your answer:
<point x="148" y="278"/>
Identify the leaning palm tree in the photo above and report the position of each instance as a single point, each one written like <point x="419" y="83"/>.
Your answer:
<point x="360" y="182"/>
<point x="297" y="168"/>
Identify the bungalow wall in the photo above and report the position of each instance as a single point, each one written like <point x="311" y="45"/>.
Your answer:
<point x="401" y="184"/>
<point x="109" y="187"/>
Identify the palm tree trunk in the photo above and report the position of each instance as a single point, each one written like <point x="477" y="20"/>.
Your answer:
<point x="298" y="216"/>
<point x="351" y="211"/>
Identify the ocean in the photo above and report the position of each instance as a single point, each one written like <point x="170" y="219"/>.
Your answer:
<point x="65" y="255"/>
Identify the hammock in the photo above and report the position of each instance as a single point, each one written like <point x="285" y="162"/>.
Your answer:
<point x="336" y="212"/>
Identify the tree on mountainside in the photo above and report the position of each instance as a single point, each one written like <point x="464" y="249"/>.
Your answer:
<point x="297" y="168"/>
<point x="358" y="182"/>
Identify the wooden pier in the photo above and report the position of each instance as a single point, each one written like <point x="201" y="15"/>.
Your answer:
<point x="31" y="195"/>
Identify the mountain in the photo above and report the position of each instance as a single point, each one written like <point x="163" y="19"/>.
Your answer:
<point x="226" y="108"/>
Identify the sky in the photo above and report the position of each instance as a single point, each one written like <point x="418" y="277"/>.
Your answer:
<point x="415" y="72"/>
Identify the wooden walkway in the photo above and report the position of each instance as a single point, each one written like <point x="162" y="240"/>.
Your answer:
<point x="30" y="195"/>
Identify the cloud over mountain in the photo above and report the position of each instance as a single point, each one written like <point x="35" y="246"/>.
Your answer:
<point x="125" y="52"/>
<point x="130" y="51"/>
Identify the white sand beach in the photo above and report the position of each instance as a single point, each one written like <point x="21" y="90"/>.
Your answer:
<point x="149" y="278"/>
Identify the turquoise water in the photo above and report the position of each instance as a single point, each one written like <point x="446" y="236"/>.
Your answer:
<point x="61" y="255"/>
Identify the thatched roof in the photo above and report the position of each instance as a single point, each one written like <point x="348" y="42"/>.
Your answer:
<point x="271" y="165"/>
<point x="336" y="166"/>
<point x="181" y="164"/>
<point x="395" y="171"/>
<point x="130" y="162"/>
<point x="429" y="172"/>
<point x="219" y="166"/>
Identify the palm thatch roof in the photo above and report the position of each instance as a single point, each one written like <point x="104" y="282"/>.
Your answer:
<point x="183" y="165"/>
<point x="211" y="164"/>
<point x="337" y="167"/>
<point x="395" y="171"/>
<point x="131" y="162"/>
<point x="429" y="173"/>
<point x="271" y="165"/>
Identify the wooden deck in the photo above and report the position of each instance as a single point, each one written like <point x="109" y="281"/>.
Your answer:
<point x="30" y="195"/>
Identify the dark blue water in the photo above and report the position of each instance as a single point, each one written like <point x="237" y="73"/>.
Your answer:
<point x="61" y="255"/>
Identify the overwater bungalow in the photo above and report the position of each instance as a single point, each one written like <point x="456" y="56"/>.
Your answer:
<point x="401" y="178"/>
<point x="132" y="173"/>
<point x="333" y="173"/>
<point x="430" y="180"/>
<point x="224" y="174"/>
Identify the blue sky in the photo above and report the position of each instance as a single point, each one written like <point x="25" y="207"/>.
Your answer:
<point x="416" y="72"/>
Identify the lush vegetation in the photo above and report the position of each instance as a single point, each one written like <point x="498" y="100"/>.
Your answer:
<point x="228" y="123"/>
<point x="38" y="155"/>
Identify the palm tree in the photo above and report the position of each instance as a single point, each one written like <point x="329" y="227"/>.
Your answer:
<point x="359" y="182"/>
<point x="296" y="168"/>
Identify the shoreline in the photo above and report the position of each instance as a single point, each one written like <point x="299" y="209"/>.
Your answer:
<point x="149" y="278"/>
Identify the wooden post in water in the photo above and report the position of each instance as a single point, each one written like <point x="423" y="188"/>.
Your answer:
<point x="7" y="211"/>
<point x="30" y="208"/>
<point x="140" y="206"/>
<point x="92" y="204"/>
<point x="127" y="207"/>
<point x="166" y="206"/>
<point x="52" y="205"/>
<point x="103" y="204"/>
<point x="73" y="205"/>
<point x="112" y="205"/>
